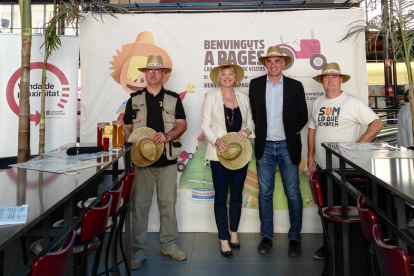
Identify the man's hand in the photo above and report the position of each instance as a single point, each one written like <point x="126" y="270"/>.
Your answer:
<point x="159" y="138"/>
<point x="127" y="132"/>
<point x="311" y="166"/>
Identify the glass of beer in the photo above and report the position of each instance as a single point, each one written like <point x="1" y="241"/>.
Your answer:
<point x="100" y="129"/>
<point x="117" y="134"/>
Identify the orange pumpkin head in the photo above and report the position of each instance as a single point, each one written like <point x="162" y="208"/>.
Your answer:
<point x="134" y="55"/>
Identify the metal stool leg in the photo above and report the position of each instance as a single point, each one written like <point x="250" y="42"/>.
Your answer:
<point x="98" y="255"/>
<point x="119" y="236"/>
<point x="82" y="268"/>
<point x="325" y="231"/>
<point x="24" y="250"/>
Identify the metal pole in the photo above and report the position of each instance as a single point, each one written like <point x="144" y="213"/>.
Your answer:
<point x="385" y="41"/>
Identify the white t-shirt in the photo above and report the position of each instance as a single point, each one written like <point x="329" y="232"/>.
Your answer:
<point x="338" y="120"/>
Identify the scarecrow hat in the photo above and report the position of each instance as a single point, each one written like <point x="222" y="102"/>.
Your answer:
<point x="237" y="154"/>
<point x="331" y="69"/>
<point x="275" y="51"/>
<point x="144" y="152"/>
<point x="154" y="62"/>
<point x="225" y="63"/>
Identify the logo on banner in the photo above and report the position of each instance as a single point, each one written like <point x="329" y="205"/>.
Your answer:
<point x="130" y="58"/>
<point x="309" y="49"/>
<point x="35" y="90"/>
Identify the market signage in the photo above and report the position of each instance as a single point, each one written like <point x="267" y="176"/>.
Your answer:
<point x="192" y="45"/>
<point x="61" y="92"/>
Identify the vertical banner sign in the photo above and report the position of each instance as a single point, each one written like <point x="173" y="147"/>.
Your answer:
<point x="192" y="45"/>
<point x="61" y="92"/>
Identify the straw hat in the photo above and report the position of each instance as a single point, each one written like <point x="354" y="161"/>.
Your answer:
<point x="331" y="69"/>
<point x="144" y="152"/>
<point x="225" y="63"/>
<point x="155" y="62"/>
<point x="275" y="51"/>
<point x="237" y="155"/>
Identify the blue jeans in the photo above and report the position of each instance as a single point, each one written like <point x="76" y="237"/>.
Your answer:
<point x="224" y="178"/>
<point x="277" y="154"/>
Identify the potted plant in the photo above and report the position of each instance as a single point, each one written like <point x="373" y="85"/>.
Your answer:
<point x="395" y="26"/>
<point x="69" y="12"/>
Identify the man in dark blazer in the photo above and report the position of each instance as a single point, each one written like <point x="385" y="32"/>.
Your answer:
<point x="279" y="113"/>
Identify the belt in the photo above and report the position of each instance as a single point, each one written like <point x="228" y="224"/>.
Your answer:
<point x="276" y="142"/>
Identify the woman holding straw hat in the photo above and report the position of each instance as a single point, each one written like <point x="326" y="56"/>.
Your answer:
<point x="226" y="110"/>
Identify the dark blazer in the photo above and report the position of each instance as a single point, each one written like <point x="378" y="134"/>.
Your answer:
<point x="295" y="114"/>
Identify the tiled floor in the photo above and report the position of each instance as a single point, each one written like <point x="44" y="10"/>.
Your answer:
<point x="204" y="258"/>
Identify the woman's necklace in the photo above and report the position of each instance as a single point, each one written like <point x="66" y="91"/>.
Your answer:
<point x="227" y="115"/>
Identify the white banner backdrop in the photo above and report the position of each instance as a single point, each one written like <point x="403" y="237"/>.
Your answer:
<point x="193" y="44"/>
<point x="61" y="92"/>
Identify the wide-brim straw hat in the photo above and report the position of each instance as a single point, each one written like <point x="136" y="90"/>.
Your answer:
<point x="237" y="154"/>
<point x="155" y="62"/>
<point x="144" y="152"/>
<point x="275" y="51"/>
<point x="331" y="69"/>
<point x="238" y="69"/>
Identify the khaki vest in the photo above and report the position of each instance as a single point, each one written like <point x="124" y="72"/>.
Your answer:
<point x="139" y="105"/>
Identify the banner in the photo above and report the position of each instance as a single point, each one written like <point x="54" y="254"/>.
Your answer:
<point x="193" y="44"/>
<point x="61" y="92"/>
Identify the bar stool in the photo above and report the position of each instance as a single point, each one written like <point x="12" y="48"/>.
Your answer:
<point x="127" y="184"/>
<point x="54" y="263"/>
<point x="119" y="203"/>
<point x="342" y="214"/>
<point x="368" y="220"/>
<point x="93" y="225"/>
<point x="113" y="217"/>
<point x="392" y="259"/>
<point x="126" y="196"/>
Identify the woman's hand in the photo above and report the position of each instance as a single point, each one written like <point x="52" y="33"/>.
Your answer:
<point x="221" y="146"/>
<point x="243" y="134"/>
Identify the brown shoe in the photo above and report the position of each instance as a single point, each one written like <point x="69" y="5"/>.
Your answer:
<point x="177" y="254"/>
<point x="135" y="264"/>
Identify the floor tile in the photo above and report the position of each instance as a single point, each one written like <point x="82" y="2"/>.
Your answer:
<point x="204" y="257"/>
<point x="206" y="269"/>
<point x="280" y="270"/>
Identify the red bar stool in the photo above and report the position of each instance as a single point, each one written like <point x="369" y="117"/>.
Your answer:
<point x="112" y="223"/>
<point x="54" y="263"/>
<point x="392" y="259"/>
<point x="127" y="182"/>
<point x="368" y="220"/>
<point x="126" y="196"/>
<point x="93" y="225"/>
<point x="342" y="214"/>
<point x="92" y="231"/>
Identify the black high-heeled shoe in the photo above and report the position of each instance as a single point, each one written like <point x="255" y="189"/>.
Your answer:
<point x="227" y="254"/>
<point x="234" y="245"/>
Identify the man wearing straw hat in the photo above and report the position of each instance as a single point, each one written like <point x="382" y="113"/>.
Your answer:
<point x="336" y="117"/>
<point x="157" y="118"/>
<point x="279" y="113"/>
